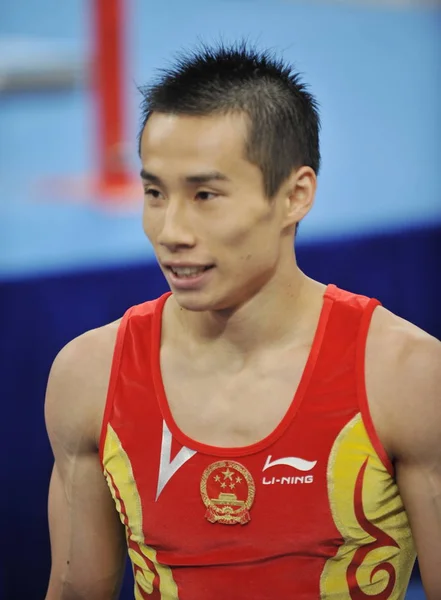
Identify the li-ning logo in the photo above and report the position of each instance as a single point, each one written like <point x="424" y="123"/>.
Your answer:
<point x="299" y="464"/>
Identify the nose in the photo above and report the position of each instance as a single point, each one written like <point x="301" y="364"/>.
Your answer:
<point x="176" y="231"/>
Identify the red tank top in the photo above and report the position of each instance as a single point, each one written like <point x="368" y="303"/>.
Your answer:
<point x="311" y="511"/>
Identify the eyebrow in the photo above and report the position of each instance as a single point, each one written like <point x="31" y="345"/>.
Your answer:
<point x="196" y="179"/>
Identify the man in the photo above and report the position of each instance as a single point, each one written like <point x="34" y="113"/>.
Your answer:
<point x="261" y="435"/>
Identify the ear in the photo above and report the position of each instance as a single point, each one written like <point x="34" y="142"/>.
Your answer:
<point x="299" y="193"/>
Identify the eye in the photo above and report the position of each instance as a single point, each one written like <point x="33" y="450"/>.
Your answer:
<point x="152" y="192"/>
<point x="206" y="195"/>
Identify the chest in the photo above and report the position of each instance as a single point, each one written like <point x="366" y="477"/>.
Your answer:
<point x="228" y="407"/>
<point x="289" y="497"/>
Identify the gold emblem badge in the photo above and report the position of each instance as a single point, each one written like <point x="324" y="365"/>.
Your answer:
<point x="227" y="490"/>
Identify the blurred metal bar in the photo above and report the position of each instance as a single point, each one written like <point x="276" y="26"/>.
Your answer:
<point x="110" y="85"/>
<point x="28" y="65"/>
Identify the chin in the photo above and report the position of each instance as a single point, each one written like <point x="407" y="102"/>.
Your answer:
<point x="194" y="301"/>
<point x="204" y="302"/>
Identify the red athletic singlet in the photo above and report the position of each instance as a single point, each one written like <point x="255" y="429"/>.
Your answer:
<point x="310" y="512"/>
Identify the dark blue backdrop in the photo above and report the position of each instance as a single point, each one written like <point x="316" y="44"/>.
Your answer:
<point x="38" y="316"/>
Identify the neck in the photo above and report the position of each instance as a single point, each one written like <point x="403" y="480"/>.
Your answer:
<point x="284" y="310"/>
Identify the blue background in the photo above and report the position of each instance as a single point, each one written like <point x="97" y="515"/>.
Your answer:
<point x="70" y="264"/>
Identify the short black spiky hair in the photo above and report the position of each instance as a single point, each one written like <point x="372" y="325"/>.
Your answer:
<point x="283" y="115"/>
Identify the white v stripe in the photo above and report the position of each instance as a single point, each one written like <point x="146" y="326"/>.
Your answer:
<point x="168" y="468"/>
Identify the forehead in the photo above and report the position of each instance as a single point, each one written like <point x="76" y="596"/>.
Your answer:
<point x="185" y="143"/>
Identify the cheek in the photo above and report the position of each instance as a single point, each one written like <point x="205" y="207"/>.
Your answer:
<point x="236" y="226"/>
<point x="252" y="250"/>
<point x="253" y="235"/>
<point x="151" y="223"/>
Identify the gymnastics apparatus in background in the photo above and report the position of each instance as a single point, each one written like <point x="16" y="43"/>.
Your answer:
<point x="32" y="65"/>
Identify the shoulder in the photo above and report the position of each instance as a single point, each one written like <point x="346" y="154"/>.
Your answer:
<point x="403" y="380"/>
<point x="87" y="351"/>
<point x="400" y="349"/>
<point x="77" y="385"/>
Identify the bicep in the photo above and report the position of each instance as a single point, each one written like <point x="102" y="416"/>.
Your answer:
<point x="403" y="378"/>
<point x="87" y="537"/>
<point x="417" y="451"/>
<point x="420" y="489"/>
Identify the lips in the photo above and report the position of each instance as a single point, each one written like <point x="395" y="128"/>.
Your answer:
<point x="185" y="278"/>
<point x="188" y="271"/>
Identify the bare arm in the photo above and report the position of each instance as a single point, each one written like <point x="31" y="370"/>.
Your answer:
<point x="87" y="537"/>
<point x="411" y="426"/>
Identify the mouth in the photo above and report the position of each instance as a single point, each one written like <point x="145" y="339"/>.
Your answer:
<point x="189" y="272"/>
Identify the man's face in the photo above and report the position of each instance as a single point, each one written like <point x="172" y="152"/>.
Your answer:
<point x="216" y="235"/>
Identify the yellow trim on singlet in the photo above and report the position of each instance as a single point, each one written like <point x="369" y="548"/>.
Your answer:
<point x="353" y="459"/>
<point x="120" y="479"/>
